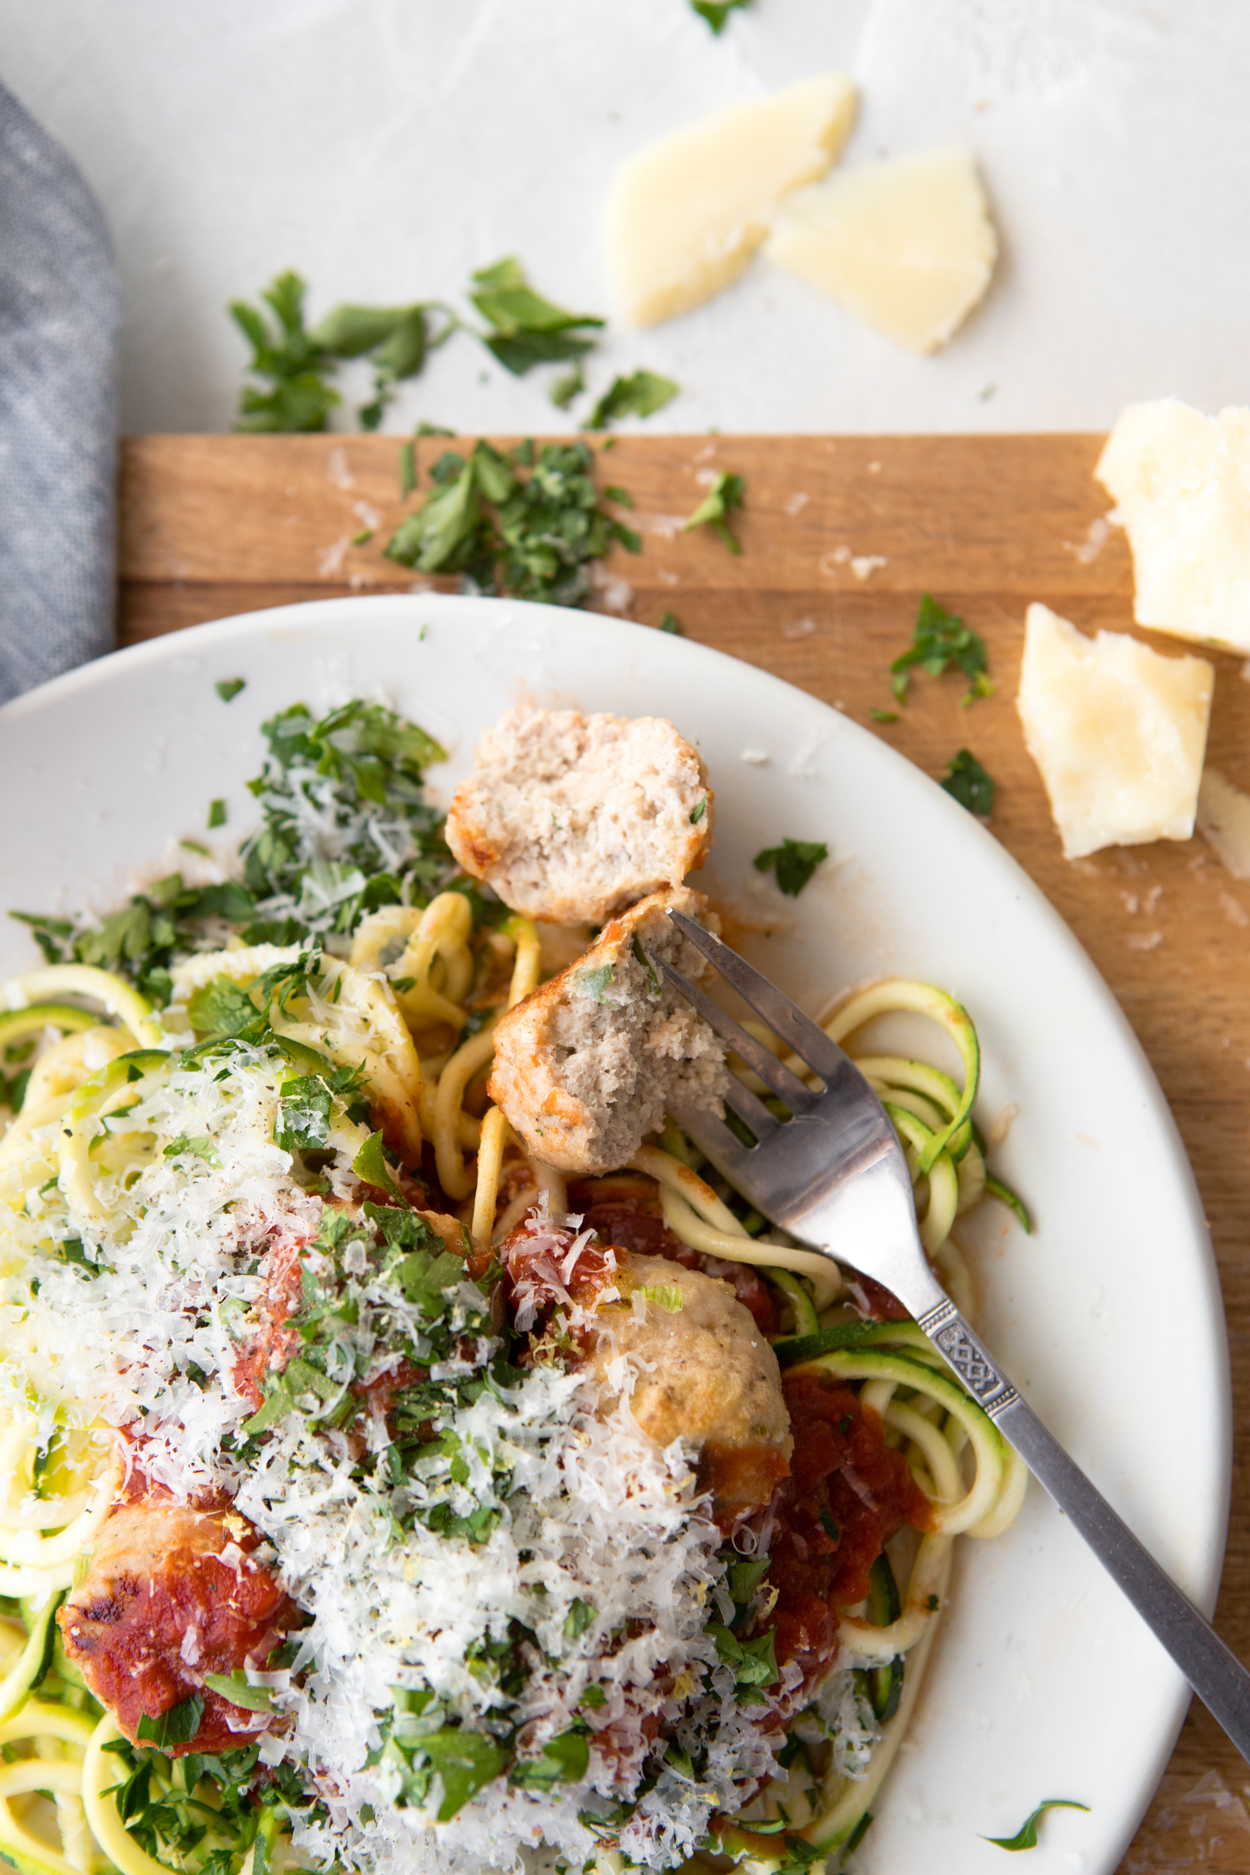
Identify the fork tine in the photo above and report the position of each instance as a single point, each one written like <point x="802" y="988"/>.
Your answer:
<point x="751" y="1109"/>
<point x="713" y="1138"/>
<point x="804" y="1037"/>
<point x="774" y="1074"/>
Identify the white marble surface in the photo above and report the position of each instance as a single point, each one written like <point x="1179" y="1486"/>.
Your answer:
<point x="386" y="147"/>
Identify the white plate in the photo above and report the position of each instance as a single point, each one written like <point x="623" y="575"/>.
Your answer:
<point x="1045" y="1683"/>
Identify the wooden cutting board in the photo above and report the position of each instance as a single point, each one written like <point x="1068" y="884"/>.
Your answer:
<point x="840" y="537"/>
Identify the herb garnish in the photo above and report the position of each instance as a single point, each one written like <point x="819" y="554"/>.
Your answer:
<point x="723" y="497"/>
<point x="396" y="339"/>
<point x="1026" y="1836"/>
<point x="532" y="535"/>
<point x="526" y="329"/>
<point x="287" y="356"/>
<point x="716" y="12"/>
<point x="940" y="640"/>
<point x="229" y="688"/>
<point x="567" y="387"/>
<point x="178" y="1726"/>
<point x="639" y="395"/>
<point x="793" y="863"/>
<point x="968" y="783"/>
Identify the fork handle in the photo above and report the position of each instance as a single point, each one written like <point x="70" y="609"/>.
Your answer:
<point x="1210" y="1666"/>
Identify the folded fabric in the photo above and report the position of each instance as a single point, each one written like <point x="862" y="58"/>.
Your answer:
<point x="58" y="410"/>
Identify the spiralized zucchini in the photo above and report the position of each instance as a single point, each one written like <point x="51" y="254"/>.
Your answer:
<point x="410" y="1011"/>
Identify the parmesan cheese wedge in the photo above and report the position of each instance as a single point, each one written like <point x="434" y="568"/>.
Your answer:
<point x="687" y="213"/>
<point x="1224" y="821"/>
<point x="1181" y="483"/>
<point x="1117" y="730"/>
<point x="906" y="245"/>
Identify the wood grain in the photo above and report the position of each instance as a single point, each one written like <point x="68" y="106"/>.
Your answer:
<point x="840" y="537"/>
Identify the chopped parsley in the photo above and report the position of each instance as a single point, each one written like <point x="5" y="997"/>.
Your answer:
<point x="396" y="339"/>
<point x="698" y="811"/>
<point x="286" y="357"/>
<point x="229" y="688"/>
<point x="671" y="623"/>
<point x="216" y="814"/>
<point x="569" y="385"/>
<point x="345" y="826"/>
<point x="716" y="12"/>
<point x="723" y="498"/>
<point x="639" y="395"/>
<point x="344" y="829"/>
<point x="524" y="328"/>
<point x="1026" y="1836"/>
<point x="526" y="524"/>
<point x="968" y="783"/>
<point x="295" y="364"/>
<point x="178" y="1726"/>
<point x="940" y="640"/>
<point x="142" y="940"/>
<point x="792" y="863"/>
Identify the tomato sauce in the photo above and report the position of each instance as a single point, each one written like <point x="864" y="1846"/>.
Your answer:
<point x="848" y="1493"/>
<point x="626" y="1212"/>
<point x="171" y="1594"/>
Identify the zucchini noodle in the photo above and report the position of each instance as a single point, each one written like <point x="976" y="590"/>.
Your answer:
<point x="385" y="1026"/>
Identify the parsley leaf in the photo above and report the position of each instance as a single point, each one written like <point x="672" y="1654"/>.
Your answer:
<point x="722" y="498"/>
<point x="199" y="1146"/>
<point x="564" y="1760"/>
<point x="216" y="814"/>
<point x="968" y="783"/>
<point x="566" y="388"/>
<point x="1026" y="1836"/>
<point x="397" y="340"/>
<point x="526" y="329"/>
<point x="370" y="1166"/>
<point x="178" y="1726"/>
<point x="235" y="1688"/>
<point x="639" y="395"/>
<point x="286" y="356"/>
<point x="793" y="863"/>
<point x="716" y="12"/>
<point x="940" y="640"/>
<point x="754" y="1662"/>
<point x="671" y="623"/>
<point x="465" y="1762"/>
<point x="229" y="688"/>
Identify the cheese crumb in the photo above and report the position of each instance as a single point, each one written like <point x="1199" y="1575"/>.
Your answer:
<point x="1181" y="484"/>
<point x="1117" y="730"/>
<point x="687" y="213"/>
<point x="906" y="244"/>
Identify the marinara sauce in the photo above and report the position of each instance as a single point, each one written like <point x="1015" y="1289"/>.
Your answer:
<point x="847" y="1494"/>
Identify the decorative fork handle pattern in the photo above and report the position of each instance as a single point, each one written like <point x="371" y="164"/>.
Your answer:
<point x="1211" y="1667"/>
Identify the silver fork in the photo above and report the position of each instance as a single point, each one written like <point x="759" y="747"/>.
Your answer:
<point x="835" y="1176"/>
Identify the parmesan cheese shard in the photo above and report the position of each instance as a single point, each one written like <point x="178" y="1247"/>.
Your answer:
<point x="1224" y="821"/>
<point x="1181" y="484"/>
<point x="686" y="214"/>
<point x="1117" y="730"/>
<point x="906" y="245"/>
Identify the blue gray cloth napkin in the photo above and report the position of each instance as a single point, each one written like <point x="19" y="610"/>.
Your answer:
<point x="58" y="410"/>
